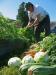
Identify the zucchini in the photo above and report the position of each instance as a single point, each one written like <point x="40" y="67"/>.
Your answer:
<point x="41" y="70"/>
<point x="24" y="68"/>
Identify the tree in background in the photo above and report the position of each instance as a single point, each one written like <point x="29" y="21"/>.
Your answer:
<point x="22" y="15"/>
<point x="1" y="14"/>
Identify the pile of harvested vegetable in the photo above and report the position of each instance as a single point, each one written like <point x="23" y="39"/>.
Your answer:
<point x="39" y="60"/>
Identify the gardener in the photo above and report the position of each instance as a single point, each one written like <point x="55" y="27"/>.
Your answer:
<point x="38" y="18"/>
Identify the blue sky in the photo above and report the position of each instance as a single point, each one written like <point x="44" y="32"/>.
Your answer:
<point x="9" y="8"/>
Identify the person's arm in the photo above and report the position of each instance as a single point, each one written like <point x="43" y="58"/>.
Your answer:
<point x="31" y="21"/>
<point x="36" y="21"/>
<point x="29" y="24"/>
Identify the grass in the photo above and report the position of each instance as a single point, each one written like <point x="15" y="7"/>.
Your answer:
<point x="9" y="71"/>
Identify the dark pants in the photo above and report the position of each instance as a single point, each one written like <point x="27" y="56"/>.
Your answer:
<point x="43" y="25"/>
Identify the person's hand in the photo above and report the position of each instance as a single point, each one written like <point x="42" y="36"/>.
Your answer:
<point x="36" y="22"/>
<point x="29" y="25"/>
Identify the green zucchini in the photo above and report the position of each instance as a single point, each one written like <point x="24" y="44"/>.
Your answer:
<point x="41" y="70"/>
<point x="24" y="68"/>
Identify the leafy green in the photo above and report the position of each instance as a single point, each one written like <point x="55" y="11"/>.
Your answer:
<point x="49" y="44"/>
<point x="27" y="33"/>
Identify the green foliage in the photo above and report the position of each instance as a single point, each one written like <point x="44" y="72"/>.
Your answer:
<point x="48" y="41"/>
<point x="10" y="41"/>
<point x="27" y="33"/>
<point x="52" y="54"/>
<point x="49" y="44"/>
<point x="7" y="29"/>
<point x="9" y="71"/>
<point x="22" y="15"/>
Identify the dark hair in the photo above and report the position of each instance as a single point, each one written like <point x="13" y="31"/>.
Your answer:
<point x="27" y="5"/>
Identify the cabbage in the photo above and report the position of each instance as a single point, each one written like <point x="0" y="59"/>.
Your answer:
<point x="41" y="57"/>
<point x="14" y="62"/>
<point x="27" y="59"/>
